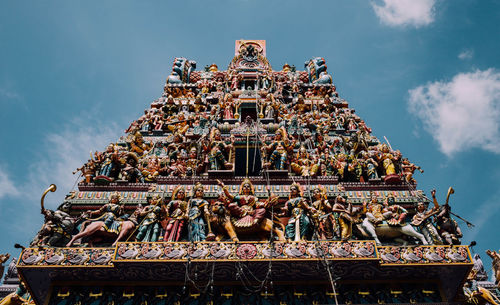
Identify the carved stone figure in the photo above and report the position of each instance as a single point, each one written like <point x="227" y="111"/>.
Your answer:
<point x="177" y="214"/>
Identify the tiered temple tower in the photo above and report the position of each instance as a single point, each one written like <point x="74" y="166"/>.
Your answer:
<point x="247" y="186"/>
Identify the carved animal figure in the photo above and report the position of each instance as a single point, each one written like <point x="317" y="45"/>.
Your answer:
<point x="222" y="222"/>
<point x="98" y="228"/>
<point x="386" y="231"/>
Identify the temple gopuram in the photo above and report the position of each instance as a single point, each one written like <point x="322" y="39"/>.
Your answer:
<point x="249" y="186"/>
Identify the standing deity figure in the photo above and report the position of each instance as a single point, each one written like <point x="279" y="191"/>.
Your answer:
<point x="177" y="214"/>
<point x="299" y="225"/>
<point x="408" y="170"/>
<point x="343" y="215"/>
<point x="422" y="222"/>
<point x="495" y="264"/>
<point x="279" y="150"/>
<point x="149" y="229"/>
<point x="108" y="161"/>
<point x="197" y="213"/>
<point x="369" y="165"/>
<point x="218" y="150"/>
<point x="322" y="213"/>
<point x="447" y="227"/>
<point x="228" y="106"/>
<point x="387" y="158"/>
<point x="304" y="165"/>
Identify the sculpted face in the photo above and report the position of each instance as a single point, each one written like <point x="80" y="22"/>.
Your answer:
<point x="114" y="199"/>
<point x="181" y="194"/>
<point x="199" y="193"/>
<point x="317" y="193"/>
<point x="420" y="207"/>
<point x="217" y="135"/>
<point x="246" y="189"/>
<point x="294" y="191"/>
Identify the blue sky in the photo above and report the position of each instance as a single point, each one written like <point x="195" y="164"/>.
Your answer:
<point x="425" y="74"/>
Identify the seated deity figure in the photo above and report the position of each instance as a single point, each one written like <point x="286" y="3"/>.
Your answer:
<point x="138" y="145"/>
<point x="217" y="150"/>
<point x="299" y="225"/>
<point x="170" y="108"/>
<point x="149" y="228"/>
<point x="422" y="222"/>
<point x="396" y="214"/>
<point x="375" y="211"/>
<point x="245" y="208"/>
<point x="304" y="165"/>
<point x="278" y="150"/>
<point x="176" y="211"/>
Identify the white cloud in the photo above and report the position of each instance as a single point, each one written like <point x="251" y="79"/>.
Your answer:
<point x="67" y="150"/>
<point x="463" y="113"/>
<point x="7" y="187"/>
<point x="466" y="54"/>
<point x="415" y="13"/>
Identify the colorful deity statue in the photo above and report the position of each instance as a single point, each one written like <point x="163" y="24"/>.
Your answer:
<point x="447" y="227"/>
<point x="138" y="145"/>
<point x="88" y="170"/>
<point x="110" y="213"/>
<point x="193" y="164"/>
<point x="278" y="150"/>
<point x="398" y="213"/>
<point x="108" y="162"/>
<point x="57" y="229"/>
<point x="322" y="213"/>
<point x="109" y="219"/>
<point x="177" y="214"/>
<point x="369" y="165"/>
<point x="387" y="157"/>
<point x="343" y="215"/>
<point x="301" y="107"/>
<point x="219" y="152"/>
<point x="299" y="225"/>
<point x="421" y="220"/>
<point x="304" y="165"/>
<point x="129" y="170"/>
<point x="197" y="213"/>
<point x="229" y="107"/>
<point x="408" y="170"/>
<point x="244" y="207"/>
<point x="149" y="228"/>
<point x="495" y="264"/>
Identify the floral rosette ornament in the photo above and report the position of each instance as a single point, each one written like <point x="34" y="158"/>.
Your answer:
<point x="246" y="251"/>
